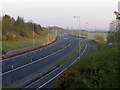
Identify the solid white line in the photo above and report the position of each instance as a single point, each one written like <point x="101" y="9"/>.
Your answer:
<point x="61" y="71"/>
<point x="51" y="79"/>
<point x="43" y="76"/>
<point x="84" y="49"/>
<point x="26" y="53"/>
<point x="81" y="54"/>
<point x="34" y="61"/>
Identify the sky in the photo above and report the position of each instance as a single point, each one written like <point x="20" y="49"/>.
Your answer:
<point x="94" y="14"/>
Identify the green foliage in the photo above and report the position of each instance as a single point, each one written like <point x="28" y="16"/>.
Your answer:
<point x="21" y="27"/>
<point x="99" y="38"/>
<point x="39" y="40"/>
<point x="37" y="28"/>
<point x="9" y="84"/>
<point x="99" y="70"/>
<point x="113" y="37"/>
<point x="84" y="34"/>
<point x="7" y="23"/>
<point x="18" y="33"/>
<point x="81" y="33"/>
<point x="0" y="30"/>
<point x="18" y="28"/>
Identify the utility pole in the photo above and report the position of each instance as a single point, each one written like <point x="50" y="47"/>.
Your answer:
<point x="48" y="37"/>
<point x="55" y="33"/>
<point x="78" y="30"/>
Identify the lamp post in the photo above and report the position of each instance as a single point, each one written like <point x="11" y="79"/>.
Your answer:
<point x="78" y="30"/>
<point x="48" y="37"/>
<point x="87" y="26"/>
<point x="33" y="35"/>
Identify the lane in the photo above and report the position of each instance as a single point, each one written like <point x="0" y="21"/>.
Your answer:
<point x="51" y="81"/>
<point x="23" y="66"/>
<point x="13" y="63"/>
<point x="36" y="67"/>
<point x="88" y="50"/>
<point x="47" y="79"/>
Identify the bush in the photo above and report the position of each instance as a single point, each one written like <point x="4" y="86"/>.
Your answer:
<point x="99" y="71"/>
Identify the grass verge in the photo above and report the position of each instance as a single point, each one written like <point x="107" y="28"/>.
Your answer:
<point x="95" y="71"/>
<point x="11" y="45"/>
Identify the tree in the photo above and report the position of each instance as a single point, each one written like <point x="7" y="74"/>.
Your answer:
<point x="99" y="38"/>
<point x="7" y="23"/>
<point x="21" y="27"/>
<point x="84" y="34"/>
<point x="7" y="27"/>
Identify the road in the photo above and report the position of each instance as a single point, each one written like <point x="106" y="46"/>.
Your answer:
<point x="37" y="68"/>
<point x="23" y="59"/>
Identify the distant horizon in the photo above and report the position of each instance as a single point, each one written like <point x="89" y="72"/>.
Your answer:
<point x="94" y="15"/>
<point x="56" y="26"/>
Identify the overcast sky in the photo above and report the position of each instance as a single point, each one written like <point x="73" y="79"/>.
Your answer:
<point x="93" y="13"/>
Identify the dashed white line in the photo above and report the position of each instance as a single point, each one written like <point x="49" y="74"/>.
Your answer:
<point x="43" y="76"/>
<point x="61" y="71"/>
<point x="19" y="55"/>
<point x="34" y="61"/>
<point x="51" y="79"/>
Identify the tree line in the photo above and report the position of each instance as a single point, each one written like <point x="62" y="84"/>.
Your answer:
<point x="12" y="28"/>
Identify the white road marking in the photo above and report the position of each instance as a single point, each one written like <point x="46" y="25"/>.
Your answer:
<point x="51" y="79"/>
<point x="84" y="49"/>
<point x="34" y="61"/>
<point x="81" y="54"/>
<point x="43" y="76"/>
<point x="20" y="55"/>
<point x="61" y="71"/>
<point x="12" y="66"/>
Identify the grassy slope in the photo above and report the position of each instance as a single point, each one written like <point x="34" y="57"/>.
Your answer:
<point x="98" y="70"/>
<point x="23" y="42"/>
<point x="16" y="33"/>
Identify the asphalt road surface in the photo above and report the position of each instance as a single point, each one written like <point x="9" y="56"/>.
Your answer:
<point x="37" y="69"/>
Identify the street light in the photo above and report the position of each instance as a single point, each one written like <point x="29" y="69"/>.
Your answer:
<point x="79" y="30"/>
<point x="33" y="35"/>
<point x="48" y="37"/>
<point x="79" y="20"/>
